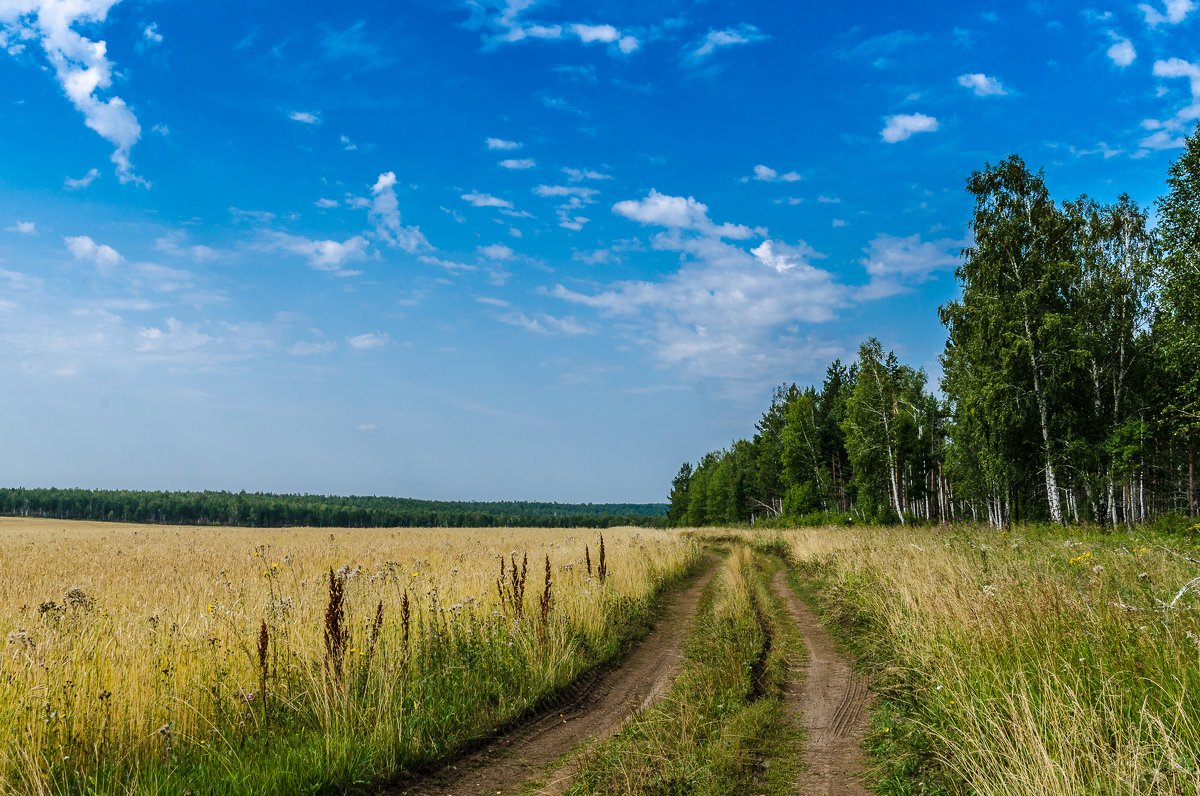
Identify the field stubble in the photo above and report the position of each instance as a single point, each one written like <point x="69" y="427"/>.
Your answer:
<point x="145" y="659"/>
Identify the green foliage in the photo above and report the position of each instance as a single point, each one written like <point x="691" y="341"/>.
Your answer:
<point x="263" y="510"/>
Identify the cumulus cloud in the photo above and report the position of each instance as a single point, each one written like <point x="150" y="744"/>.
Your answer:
<point x="677" y="212"/>
<point x="385" y="214"/>
<point x="501" y="144"/>
<point x="81" y="67"/>
<point x="576" y="196"/>
<point x="904" y="126"/>
<point x="1173" y="12"/>
<point x="767" y="174"/>
<point x="322" y="255"/>
<point x="1121" y="52"/>
<point x="368" y="341"/>
<point x="305" y="117"/>
<point x="497" y="251"/>
<point x="720" y="39"/>
<point x="982" y="85"/>
<point x="505" y="23"/>
<point x="518" y="163"/>
<point x="105" y="258"/>
<point x="23" y="228"/>
<point x="727" y="312"/>
<point x="486" y="200"/>
<point x="151" y="35"/>
<point x="1169" y="133"/>
<point x="894" y="263"/>
<point x="82" y="182"/>
<point x="606" y="34"/>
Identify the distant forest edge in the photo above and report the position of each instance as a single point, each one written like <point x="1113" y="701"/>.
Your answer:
<point x="263" y="510"/>
<point x="1070" y="387"/>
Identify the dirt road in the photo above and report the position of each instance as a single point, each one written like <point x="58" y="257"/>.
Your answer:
<point x="830" y="703"/>
<point x="596" y="708"/>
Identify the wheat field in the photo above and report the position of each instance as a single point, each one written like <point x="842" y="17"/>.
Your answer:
<point x="150" y="659"/>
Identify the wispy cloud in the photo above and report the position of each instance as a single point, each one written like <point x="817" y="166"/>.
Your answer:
<point x="716" y="40"/>
<point x="518" y="163"/>
<point x="767" y="174"/>
<point x="305" y="117"/>
<point x="323" y="255"/>
<point x="369" y="341"/>
<point x="83" y="182"/>
<point x="486" y="200"/>
<point x="502" y="144"/>
<point x="385" y="213"/>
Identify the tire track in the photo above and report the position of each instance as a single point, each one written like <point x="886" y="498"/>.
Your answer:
<point x="595" y="707"/>
<point x="830" y="704"/>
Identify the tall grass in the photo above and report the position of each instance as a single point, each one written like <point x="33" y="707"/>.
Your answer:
<point x="145" y="659"/>
<point x="1037" y="662"/>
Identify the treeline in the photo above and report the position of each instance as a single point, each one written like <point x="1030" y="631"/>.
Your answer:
<point x="263" y="510"/>
<point x="1070" y="388"/>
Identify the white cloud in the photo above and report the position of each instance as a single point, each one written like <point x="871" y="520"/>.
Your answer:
<point x="23" y="228"/>
<point x="545" y="324"/>
<point x="578" y="175"/>
<point x="590" y="33"/>
<point x="903" y="126"/>
<point x="893" y="263"/>
<point x="727" y="312"/>
<point x="325" y="204"/>
<point x="501" y="144"/>
<point x="82" y="182"/>
<point x="1174" y="12"/>
<point x="448" y="265"/>
<point x="81" y="67"/>
<point x="177" y="338"/>
<point x="729" y="37"/>
<point x="305" y="117"/>
<point x="1170" y="132"/>
<point x="1121" y="52"/>
<point x="518" y="163"/>
<point x="486" y="200"/>
<point x="366" y="427"/>
<point x="676" y="212"/>
<point x="497" y="251"/>
<point x="347" y="144"/>
<point x="84" y="248"/>
<point x="829" y="200"/>
<point x="982" y="85"/>
<point x="385" y="213"/>
<point x="606" y="34"/>
<point x="839" y="222"/>
<point x="304" y="349"/>
<point x="175" y="244"/>
<point x="323" y="255"/>
<point x="150" y="34"/>
<point x="767" y="174"/>
<point x="368" y="341"/>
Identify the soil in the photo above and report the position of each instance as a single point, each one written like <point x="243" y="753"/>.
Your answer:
<point x="595" y="708"/>
<point x="830" y="704"/>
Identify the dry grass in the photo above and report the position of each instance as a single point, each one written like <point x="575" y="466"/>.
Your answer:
<point x="144" y="658"/>
<point x="1041" y="662"/>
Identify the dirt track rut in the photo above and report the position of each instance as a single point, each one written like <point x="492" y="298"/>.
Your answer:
<point x="595" y="708"/>
<point x="830" y="704"/>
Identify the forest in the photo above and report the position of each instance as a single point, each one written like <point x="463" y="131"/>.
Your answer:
<point x="1070" y="389"/>
<point x="264" y="510"/>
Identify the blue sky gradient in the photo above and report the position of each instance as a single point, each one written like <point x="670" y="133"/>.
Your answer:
<point x="509" y="249"/>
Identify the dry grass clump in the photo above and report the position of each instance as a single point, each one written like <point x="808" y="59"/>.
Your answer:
<point x="155" y="659"/>
<point x="1038" y="662"/>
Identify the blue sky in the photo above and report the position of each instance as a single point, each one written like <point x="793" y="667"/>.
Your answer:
<point x="509" y="248"/>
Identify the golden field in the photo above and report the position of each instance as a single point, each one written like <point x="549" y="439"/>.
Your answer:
<point x="155" y="659"/>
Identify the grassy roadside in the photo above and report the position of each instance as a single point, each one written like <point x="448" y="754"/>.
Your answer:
<point x="1044" y="661"/>
<point x="720" y="729"/>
